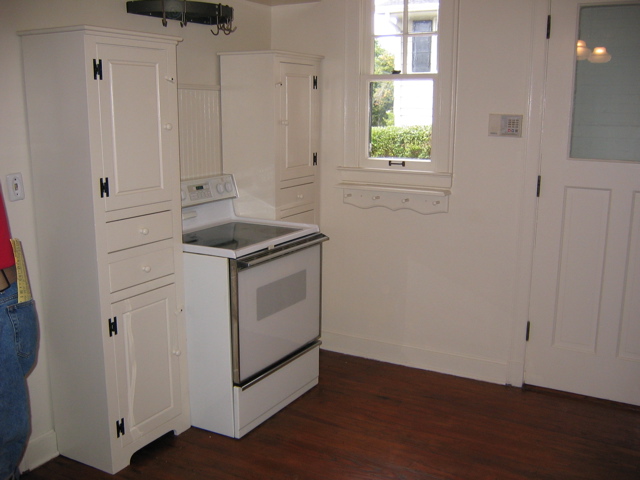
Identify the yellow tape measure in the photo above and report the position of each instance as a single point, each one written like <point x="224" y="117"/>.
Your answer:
<point x="24" y="289"/>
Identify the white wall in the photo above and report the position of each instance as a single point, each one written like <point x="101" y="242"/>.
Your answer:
<point x="197" y="64"/>
<point x="445" y="292"/>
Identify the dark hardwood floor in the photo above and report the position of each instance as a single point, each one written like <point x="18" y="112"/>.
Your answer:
<point x="373" y="420"/>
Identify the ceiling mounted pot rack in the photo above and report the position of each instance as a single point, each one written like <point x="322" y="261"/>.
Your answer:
<point x="187" y="12"/>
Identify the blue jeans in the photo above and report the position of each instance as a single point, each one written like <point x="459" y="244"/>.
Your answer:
<point x="18" y="349"/>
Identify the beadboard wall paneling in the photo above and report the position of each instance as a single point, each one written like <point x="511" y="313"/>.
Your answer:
<point x="200" y="138"/>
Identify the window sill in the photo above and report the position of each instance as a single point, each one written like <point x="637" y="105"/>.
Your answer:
<point x="399" y="179"/>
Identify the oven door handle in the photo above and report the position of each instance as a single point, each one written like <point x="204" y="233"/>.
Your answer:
<point x="315" y="240"/>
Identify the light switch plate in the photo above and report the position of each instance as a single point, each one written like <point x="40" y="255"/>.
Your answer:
<point x="15" y="187"/>
<point x="505" y="125"/>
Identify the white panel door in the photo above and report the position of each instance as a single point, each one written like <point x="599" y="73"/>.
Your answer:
<point x="146" y="348"/>
<point x="139" y="123"/>
<point x="299" y="124"/>
<point x="585" y="303"/>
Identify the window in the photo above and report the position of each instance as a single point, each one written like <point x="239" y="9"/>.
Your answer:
<point x="606" y="117"/>
<point x="406" y="90"/>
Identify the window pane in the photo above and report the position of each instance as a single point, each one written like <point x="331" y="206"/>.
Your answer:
<point x="420" y="54"/>
<point x="606" y="109"/>
<point x="423" y="54"/>
<point x="388" y="17"/>
<point x="417" y="31"/>
<point x="387" y="55"/>
<point x="401" y="117"/>
<point x="423" y="16"/>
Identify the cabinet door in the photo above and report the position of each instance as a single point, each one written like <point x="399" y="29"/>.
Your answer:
<point x="299" y="124"/>
<point x="138" y="117"/>
<point x="147" y="362"/>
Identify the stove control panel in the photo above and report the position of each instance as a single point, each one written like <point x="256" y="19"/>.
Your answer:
<point x="209" y="189"/>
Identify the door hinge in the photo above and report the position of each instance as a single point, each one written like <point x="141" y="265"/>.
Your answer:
<point x="528" y="330"/>
<point x="315" y="158"/>
<point x="315" y="82"/>
<point x="97" y="69"/>
<point x="104" y="187"/>
<point x="120" y="428"/>
<point x="113" y="326"/>
<point x="548" y="27"/>
<point x="538" y="186"/>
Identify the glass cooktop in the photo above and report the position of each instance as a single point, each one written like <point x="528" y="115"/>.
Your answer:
<point x="235" y="235"/>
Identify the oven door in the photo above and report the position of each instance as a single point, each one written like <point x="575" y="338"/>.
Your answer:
<point x="275" y="306"/>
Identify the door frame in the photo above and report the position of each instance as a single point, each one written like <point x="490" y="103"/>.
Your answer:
<point x="529" y="201"/>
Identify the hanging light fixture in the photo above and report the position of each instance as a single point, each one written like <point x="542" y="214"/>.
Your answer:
<point x="599" y="55"/>
<point x="582" y="52"/>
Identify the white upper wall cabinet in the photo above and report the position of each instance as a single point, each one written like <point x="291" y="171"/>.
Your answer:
<point x="271" y="132"/>
<point x="137" y="96"/>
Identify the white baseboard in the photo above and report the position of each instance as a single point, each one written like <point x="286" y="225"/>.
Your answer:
<point x="39" y="451"/>
<point x="487" y="370"/>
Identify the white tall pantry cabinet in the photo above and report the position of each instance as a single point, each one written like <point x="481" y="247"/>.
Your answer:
<point x="102" y="113"/>
<point x="271" y="132"/>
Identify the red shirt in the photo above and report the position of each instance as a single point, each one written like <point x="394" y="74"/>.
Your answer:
<point x="6" y="250"/>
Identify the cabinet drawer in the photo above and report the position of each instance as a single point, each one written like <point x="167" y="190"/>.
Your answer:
<point x="136" y="231"/>
<point x="140" y="265"/>
<point x="298" y="195"/>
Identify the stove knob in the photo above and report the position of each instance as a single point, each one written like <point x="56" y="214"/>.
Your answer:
<point x="228" y="187"/>
<point x="220" y="188"/>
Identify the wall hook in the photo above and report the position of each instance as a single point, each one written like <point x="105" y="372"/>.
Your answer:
<point x="225" y="27"/>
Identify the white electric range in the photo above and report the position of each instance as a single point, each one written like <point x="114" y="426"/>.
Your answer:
<point x="252" y="289"/>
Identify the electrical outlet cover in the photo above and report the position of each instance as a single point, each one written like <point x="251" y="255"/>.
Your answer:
<point x="15" y="187"/>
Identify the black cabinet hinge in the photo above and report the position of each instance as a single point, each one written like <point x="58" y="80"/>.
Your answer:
<point x="113" y="326"/>
<point x="120" y="428"/>
<point x="315" y="158"/>
<point x="538" y="186"/>
<point x="528" y="331"/>
<point x="97" y="69"/>
<point x="104" y="187"/>
<point x="548" y="27"/>
<point x="315" y="82"/>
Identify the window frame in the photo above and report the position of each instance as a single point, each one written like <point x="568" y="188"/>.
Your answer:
<point x="436" y="173"/>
